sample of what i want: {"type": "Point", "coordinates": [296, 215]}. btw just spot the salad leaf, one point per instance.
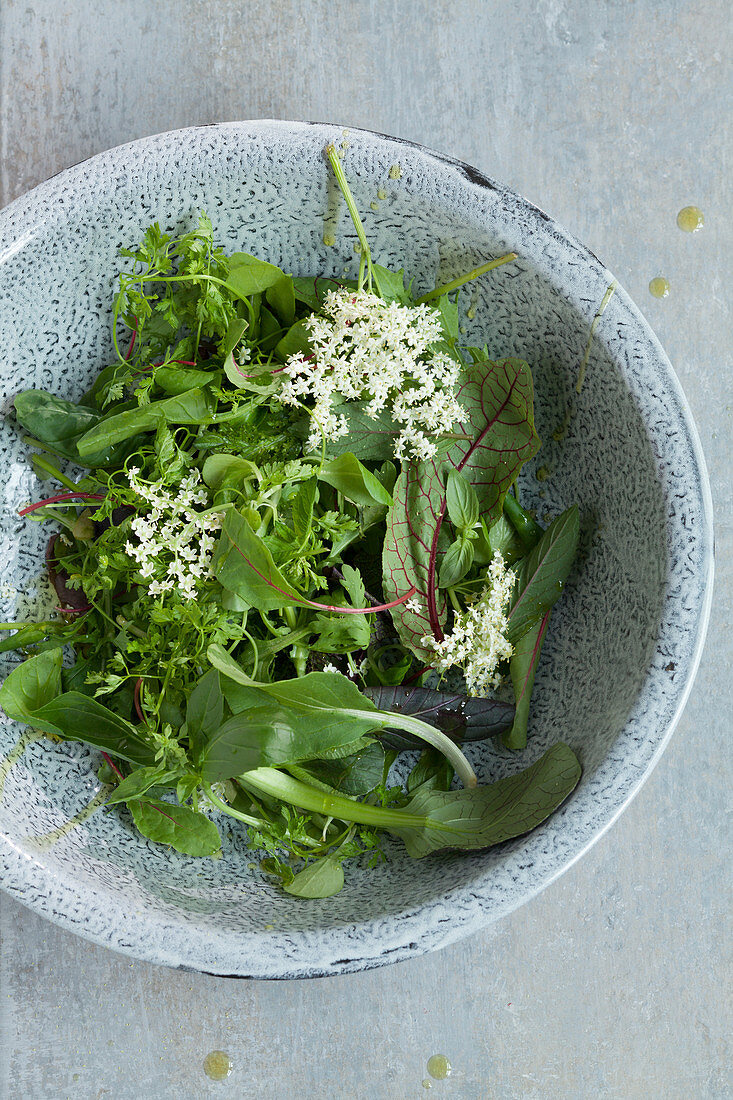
{"type": "Point", "coordinates": [184, 829]}
{"type": "Point", "coordinates": [349, 476]}
{"type": "Point", "coordinates": [192, 407]}
{"type": "Point", "coordinates": [32, 684]}
{"type": "Point", "coordinates": [243, 565]}
{"type": "Point", "coordinates": [522, 668]}
{"type": "Point", "coordinates": [321, 879]}
{"type": "Point", "coordinates": [543, 572]}
{"type": "Point", "coordinates": [460, 717]}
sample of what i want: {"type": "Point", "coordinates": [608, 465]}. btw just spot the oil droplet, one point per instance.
{"type": "Point", "coordinates": [374, 205]}
{"type": "Point", "coordinates": [381, 193]}
{"type": "Point", "coordinates": [357, 247]}
{"type": "Point", "coordinates": [269, 927]}
{"type": "Point", "coordinates": [439, 1067]}
{"type": "Point", "coordinates": [395, 172]}
{"type": "Point", "coordinates": [427, 1083]}
{"type": "Point", "coordinates": [690, 219]}
{"type": "Point", "coordinates": [75, 1077]}
{"type": "Point", "coordinates": [542, 473]}
{"type": "Point", "coordinates": [593, 326]}
{"type": "Point", "coordinates": [217, 1065]}
{"type": "Point", "coordinates": [329, 240]}
{"type": "Point", "coordinates": [15, 754]}
{"type": "Point", "coordinates": [659, 287]}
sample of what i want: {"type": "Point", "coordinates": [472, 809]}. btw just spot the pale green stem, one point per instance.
{"type": "Point", "coordinates": [454, 284]}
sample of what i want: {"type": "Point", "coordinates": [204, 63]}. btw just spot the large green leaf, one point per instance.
{"type": "Point", "coordinates": [321, 879]}
{"type": "Point", "coordinates": [485, 816]}
{"type": "Point", "coordinates": [522, 669]}
{"type": "Point", "coordinates": [78, 717]}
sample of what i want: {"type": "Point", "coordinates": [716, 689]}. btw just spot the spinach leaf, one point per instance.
{"type": "Point", "coordinates": [542, 574]}
{"type": "Point", "coordinates": [358, 484]}
{"type": "Point", "coordinates": [30, 686]}
{"type": "Point", "coordinates": [456, 562]}
{"type": "Point", "coordinates": [248, 276]}
{"type": "Point", "coordinates": [271, 733]}
{"type": "Point", "coordinates": [320, 879]}
{"type": "Point", "coordinates": [178, 380]}
{"type": "Point", "coordinates": [522, 668]}
{"type": "Point", "coordinates": [296, 341]}
{"type": "Point", "coordinates": [192, 407]}
{"type": "Point", "coordinates": [60, 425]}
{"type": "Point", "coordinates": [179, 826]}
{"type": "Point", "coordinates": [432, 771]}
{"type": "Point", "coordinates": [458, 716]}
{"type": "Point", "coordinates": [356, 774]}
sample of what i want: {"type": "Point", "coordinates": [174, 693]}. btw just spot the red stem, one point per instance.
{"type": "Point", "coordinates": [112, 765]}
{"type": "Point", "coordinates": [136, 699]}
{"type": "Point", "coordinates": [59, 497]}
{"type": "Point", "coordinates": [132, 341]}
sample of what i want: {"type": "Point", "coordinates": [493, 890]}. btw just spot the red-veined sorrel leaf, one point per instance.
{"type": "Point", "coordinates": [499, 421]}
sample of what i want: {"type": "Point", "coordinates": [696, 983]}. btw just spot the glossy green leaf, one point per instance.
{"type": "Point", "coordinates": [31, 685]}
{"type": "Point", "coordinates": [78, 717]}
{"type": "Point", "coordinates": [243, 565]}
{"type": "Point", "coordinates": [138, 783]}
{"type": "Point", "coordinates": [350, 477]}
{"type": "Point", "coordinates": [461, 501]}
{"type": "Point", "coordinates": [456, 562]}
{"type": "Point", "coordinates": [522, 669]}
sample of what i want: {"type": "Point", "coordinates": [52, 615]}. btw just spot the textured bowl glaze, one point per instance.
{"type": "Point", "coordinates": [624, 642]}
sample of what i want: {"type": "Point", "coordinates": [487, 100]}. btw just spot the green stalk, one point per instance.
{"type": "Point", "coordinates": [299, 656]}
{"type": "Point", "coordinates": [454, 284]}
{"type": "Point", "coordinates": [227, 809]}
{"type": "Point", "coordinates": [433, 737]}
{"type": "Point", "coordinates": [338, 172]}
{"type": "Point", "coordinates": [276, 784]}
{"type": "Point", "coordinates": [48, 467]}
{"type": "Point", "coordinates": [528, 531]}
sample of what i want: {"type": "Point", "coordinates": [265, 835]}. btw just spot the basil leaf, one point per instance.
{"type": "Point", "coordinates": [182, 828]}
{"type": "Point", "coordinates": [351, 478]}
{"type": "Point", "coordinates": [456, 562]}
{"type": "Point", "coordinates": [30, 686]}
{"type": "Point", "coordinates": [461, 501]}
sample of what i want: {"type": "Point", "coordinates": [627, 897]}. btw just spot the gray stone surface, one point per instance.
{"type": "Point", "coordinates": [610, 116]}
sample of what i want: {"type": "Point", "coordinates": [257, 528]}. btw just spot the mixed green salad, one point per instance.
{"type": "Point", "coordinates": [287, 547]}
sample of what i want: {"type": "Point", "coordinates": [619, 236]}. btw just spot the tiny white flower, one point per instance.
{"type": "Point", "coordinates": [330, 668]}
{"type": "Point", "coordinates": [478, 641]}
{"type": "Point", "coordinates": [414, 605]}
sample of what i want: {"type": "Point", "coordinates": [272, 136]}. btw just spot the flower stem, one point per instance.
{"type": "Point", "coordinates": [366, 255]}
{"type": "Point", "coordinates": [454, 284]}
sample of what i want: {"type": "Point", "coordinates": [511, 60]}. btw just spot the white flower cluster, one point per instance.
{"type": "Point", "coordinates": [478, 641]}
{"type": "Point", "coordinates": [175, 543]}
{"type": "Point", "coordinates": [365, 348]}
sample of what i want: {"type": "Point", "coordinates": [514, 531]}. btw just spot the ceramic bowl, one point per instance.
{"type": "Point", "coordinates": [624, 642]}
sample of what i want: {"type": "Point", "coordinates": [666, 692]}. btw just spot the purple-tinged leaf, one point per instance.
{"type": "Point", "coordinates": [461, 718]}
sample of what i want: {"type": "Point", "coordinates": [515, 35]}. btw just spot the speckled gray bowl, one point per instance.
{"type": "Point", "coordinates": [625, 641]}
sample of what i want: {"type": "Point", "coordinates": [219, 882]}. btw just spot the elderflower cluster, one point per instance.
{"type": "Point", "coordinates": [478, 641]}
{"type": "Point", "coordinates": [175, 543]}
{"type": "Point", "coordinates": [368, 349]}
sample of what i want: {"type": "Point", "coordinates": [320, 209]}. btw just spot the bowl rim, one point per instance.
{"type": "Point", "coordinates": [61, 900]}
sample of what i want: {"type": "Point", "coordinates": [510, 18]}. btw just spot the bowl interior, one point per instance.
{"type": "Point", "coordinates": [622, 643]}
